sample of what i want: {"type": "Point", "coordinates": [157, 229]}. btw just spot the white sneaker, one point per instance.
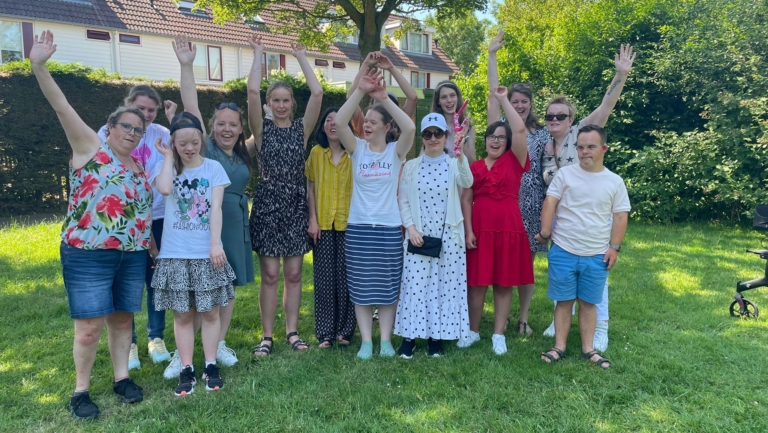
{"type": "Point", "coordinates": [499, 344]}
{"type": "Point", "coordinates": [133, 358]}
{"type": "Point", "coordinates": [225, 355]}
{"type": "Point", "coordinates": [468, 340]}
{"type": "Point", "coordinates": [600, 341]}
{"type": "Point", "coordinates": [174, 368]}
{"type": "Point", "coordinates": [550, 332]}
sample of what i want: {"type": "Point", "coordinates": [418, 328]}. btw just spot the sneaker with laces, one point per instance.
{"type": "Point", "coordinates": [133, 358]}
{"type": "Point", "coordinates": [225, 355]}
{"type": "Point", "coordinates": [550, 331]}
{"type": "Point", "coordinates": [499, 344]}
{"type": "Point", "coordinates": [81, 406]}
{"type": "Point", "coordinates": [407, 347]}
{"type": "Point", "coordinates": [213, 380]}
{"type": "Point", "coordinates": [128, 391]}
{"type": "Point", "coordinates": [435, 348]}
{"type": "Point", "coordinates": [157, 350]}
{"type": "Point", "coordinates": [174, 368]}
{"type": "Point", "coordinates": [187, 382]}
{"type": "Point", "coordinates": [469, 339]}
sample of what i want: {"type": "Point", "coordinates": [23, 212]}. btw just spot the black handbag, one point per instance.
{"type": "Point", "coordinates": [432, 245]}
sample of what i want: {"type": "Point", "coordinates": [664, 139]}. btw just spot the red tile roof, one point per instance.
{"type": "Point", "coordinates": [163, 17]}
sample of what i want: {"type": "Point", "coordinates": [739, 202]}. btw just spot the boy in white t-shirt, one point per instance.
{"type": "Point", "coordinates": [591, 206]}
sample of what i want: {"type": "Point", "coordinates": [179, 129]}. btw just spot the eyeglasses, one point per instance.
{"type": "Point", "coordinates": [521, 85]}
{"type": "Point", "coordinates": [127, 127]}
{"type": "Point", "coordinates": [427, 135]}
{"type": "Point", "coordinates": [551, 117]}
{"type": "Point", "coordinates": [496, 137]}
{"type": "Point", "coordinates": [231, 105]}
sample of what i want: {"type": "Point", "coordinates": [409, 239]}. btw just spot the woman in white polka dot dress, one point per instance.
{"type": "Point", "coordinates": [433, 296]}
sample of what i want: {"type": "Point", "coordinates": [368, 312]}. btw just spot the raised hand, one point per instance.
{"type": "Point", "coordinates": [379, 91]}
{"type": "Point", "coordinates": [298, 49]}
{"type": "Point", "coordinates": [255, 42]}
{"type": "Point", "coordinates": [185, 51]}
{"type": "Point", "coordinates": [500, 93]}
{"type": "Point", "coordinates": [625, 58]}
{"type": "Point", "coordinates": [163, 148]}
{"type": "Point", "coordinates": [170, 109]}
{"type": "Point", "coordinates": [384, 63]}
{"type": "Point", "coordinates": [496, 43]}
{"type": "Point", "coordinates": [42, 49]}
{"type": "Point", "coordinates": [370, 80]}
{"type": "Point", "coordinates": [371, 59]}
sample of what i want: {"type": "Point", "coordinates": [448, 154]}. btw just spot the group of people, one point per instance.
{"type": "Point", "coordinates": [421, 240]}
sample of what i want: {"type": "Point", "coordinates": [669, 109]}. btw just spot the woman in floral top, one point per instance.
{"type": "Point", "coordinates": [105, 235]}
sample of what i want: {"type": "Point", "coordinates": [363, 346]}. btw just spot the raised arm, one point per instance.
{"type": "Point", "coordinates": [186, 52]}
{"type": "Point", "coordinates": [519, 133]}
{"type": "Point", "coordinates": [164, 180]}
{"type": "Point", "coordinates": [83, 140]}
{"type": "Point", "coordinates": [624, 60]}
{"type": "Point", "coordinates": [315, 103]}
{"type": "Point", "coordinates": [404, 122]}
{"type": "Point", "coordinates": [369, 61]}
{"type": "Point", "coordinates": [411, 98]}
{"type": "Point", "coordinates": [366, 82]}
{"type": "Point", "coordinates": [170, 108]}
{"type": "Point", "coordinates": [494, 110]}
{"type": "Point", "coordinates": [469, 145]}
{"type": "Point", "coordinates": [255, 122]}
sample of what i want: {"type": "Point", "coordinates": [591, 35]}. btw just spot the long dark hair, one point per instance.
{"type": "Point", "coordinates": [532, 121]}
{"type": "Point", "coordinates": [437, 108]}
{"type": "Point", "coordinates": [320, 136]}
{"type": "Point", "coordinates": [240, 149]}
{"type": "Point", "coordinates": [492, 128]}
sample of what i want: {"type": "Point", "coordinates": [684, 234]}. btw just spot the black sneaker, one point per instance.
{"type": "Point", "coordinates": [128, 391]}
{"type": "Point", "coordinates": [435, 348]}
{"type": "Point", "coordinates": [407, 348]}
{"type": "Point", "coordinates": [187, 382]}
{"type": "Point", "coordinates": [81, 406]}
{"type": "Point", "coordinates": [213, 380]}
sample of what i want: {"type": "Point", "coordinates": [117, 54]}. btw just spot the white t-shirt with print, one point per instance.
{"type": "Point", "coordinates": [585, 211]}
{"type": "Point", "coordinates": [149, 156]}
{"type": "Point", "coordinates": [374, 186]}
{"type": "Point", "coordinates": [187, 228]}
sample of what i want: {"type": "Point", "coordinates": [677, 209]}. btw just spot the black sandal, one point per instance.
{"type": "Point", "coordinates": [326, 340]}
{"type": "Point", "coordinates": [266, 349]}
{"type": "Point", "coordinates": [599, 362]}
{"type": "Point", "coordinates": [298, 342]}
{"type": "Point", "coordinates": [552, 359]}
{"type": "Point", "coordinates": [527, 332]}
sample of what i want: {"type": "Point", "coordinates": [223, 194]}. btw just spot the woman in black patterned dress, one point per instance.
{"type": "Point", "coordinates": [280, 216]}
{"type": "Point", "coordinates": [532, 187]}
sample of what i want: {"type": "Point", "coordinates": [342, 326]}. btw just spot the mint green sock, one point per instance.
{"type": "Point", "coordinates": [366, 350]}
{"type": "Point", "coordinates": [386, 349]}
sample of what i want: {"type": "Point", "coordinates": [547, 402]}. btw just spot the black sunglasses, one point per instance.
{"type": "Point", "coordinates": [231, 105]}
{"type": "Point", "coordinates": [551, 117]}
{"type": "Point", "coordinates": [427, 135]}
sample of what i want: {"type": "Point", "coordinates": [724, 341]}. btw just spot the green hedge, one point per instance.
{"type": "Point", "coordinates": [34, 152]}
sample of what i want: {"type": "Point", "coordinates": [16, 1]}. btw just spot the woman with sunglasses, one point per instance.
{"type": "Point", "coordinates": [433, 292]}
{"type": "Point", "coordinates": [532, 187]}
{"type": "Point", "coordinates": [498, 253]}
{"type": "Point", "coordinates": [561, 151]}
{"type": "Point", "coordinates": [105, 236]}
{"type": "Point", "coordinates": [226, 144]}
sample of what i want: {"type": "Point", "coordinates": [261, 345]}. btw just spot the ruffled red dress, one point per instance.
{"type": "Point", "coordinates": [503, 254]}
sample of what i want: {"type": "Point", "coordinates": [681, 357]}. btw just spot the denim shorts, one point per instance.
{"type": "Point", "coordinates": [100, 282]}
{"type": "Point", "coordinates": [572, 276]}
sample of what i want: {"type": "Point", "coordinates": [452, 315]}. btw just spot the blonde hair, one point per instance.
{"type": "Point", "coordinates": [286, 86]}
{"type": "Point", "coordinates": [562, 99]}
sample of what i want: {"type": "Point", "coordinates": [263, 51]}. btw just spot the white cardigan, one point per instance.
{"type": "Point", "coordinates": [409, 193]}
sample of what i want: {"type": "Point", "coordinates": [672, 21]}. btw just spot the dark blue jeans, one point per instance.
{"type": "Point", "coordinates": [155, 319]}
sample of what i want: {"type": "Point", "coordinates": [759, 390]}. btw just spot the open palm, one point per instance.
{"type": "Point", "coordinates": [496, 43]}
{"type": "Point", "coordinates": [298, 49]}
{"type": "Point", "coordinates": [370, 80]}
{"type": "Point", "coordinates": [625, 58]}
{"type": "Point", "coordinates": [185, 51]}
{"type": "Point", "coordinates": [42, 49]}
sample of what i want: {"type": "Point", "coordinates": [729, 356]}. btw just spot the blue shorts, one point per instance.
{"type": "Point", "coordinates": [572, 276]}
{"type": "Point", "coordinates": [100, 282]}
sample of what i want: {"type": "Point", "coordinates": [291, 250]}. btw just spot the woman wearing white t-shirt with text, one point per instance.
{"type": "Point", "coordinates": [374, 247]}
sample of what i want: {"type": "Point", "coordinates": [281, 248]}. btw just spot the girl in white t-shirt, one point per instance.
{"type": "Point", "coordinates": [373, 245]}
{"type": "Point", "coordinates": [192, 274]}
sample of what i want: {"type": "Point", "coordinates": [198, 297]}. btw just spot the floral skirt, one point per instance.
{"type": "Point", "coordinates": [181, 284]}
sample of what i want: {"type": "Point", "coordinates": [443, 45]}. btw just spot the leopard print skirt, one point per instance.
{"type": "Point", "coordinates": [181, 284]}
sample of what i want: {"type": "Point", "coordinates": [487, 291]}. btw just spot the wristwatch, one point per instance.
{"type": "Point", "coordinates": [616, 247]}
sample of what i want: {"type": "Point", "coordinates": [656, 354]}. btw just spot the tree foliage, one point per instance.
{"type": "Point", "coordinates": [461, 37]}
{"type": "Point", "coordinates": [688, 134]}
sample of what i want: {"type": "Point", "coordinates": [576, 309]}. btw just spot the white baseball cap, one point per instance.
{"type": "Point", "coordinates": [434, 119]}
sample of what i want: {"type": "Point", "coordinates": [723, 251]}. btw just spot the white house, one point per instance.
{"type": "Point", "coordinates": [133, 37]}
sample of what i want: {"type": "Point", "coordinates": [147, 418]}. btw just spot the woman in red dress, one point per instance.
{"type": "Point", "coordinates": [498, 252]}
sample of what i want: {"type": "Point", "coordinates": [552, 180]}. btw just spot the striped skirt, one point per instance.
{"type": "Point", "coordinates": [374, 257]}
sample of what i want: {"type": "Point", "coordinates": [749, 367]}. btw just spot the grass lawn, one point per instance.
{"type": "Point", "coordinates": [680, 362]}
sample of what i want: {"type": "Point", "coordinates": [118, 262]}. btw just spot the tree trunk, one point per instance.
{"type": "Point", "coordinates": [369, 40]}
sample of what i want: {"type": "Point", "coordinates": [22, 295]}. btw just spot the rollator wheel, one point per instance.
{"type": "Point", "coordinates": [751, 309]}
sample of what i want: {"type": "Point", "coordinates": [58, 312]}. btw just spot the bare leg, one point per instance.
{"type": "Point", "coordinates": [270, 270]}
{"type": "Point", "coordinates": [476, 302]}
{"type": "Point", "coordinates": [525, 294]}
{"type": "Point", "coordinates": [210, 333]}
{"type": "Point", "coordinates": [184, 331]}
{"type": "Point", "coordinates": [87, 333]}
{"type": "Point", "coordinates": [292, 295]}
{"type": "Point", "coordinates": [563, 318]}
{"type": "Point", "coordinates": [225, 315]}
{"type": "Point", "coordinates": [387, 320]}
{"type": "Point", "coordinates": [120, 334]}
{"type": "Point", "coordinates": [587, 320]}
{"type": "Point", "coordinates": [364, 315]}
{"type": "Point", "coordinates": [502, 301]}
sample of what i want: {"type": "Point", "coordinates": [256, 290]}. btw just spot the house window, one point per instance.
{"type": "Point", "coordinates": [208, 63]}
{"type": "Point", "coordinates": [417, 43]}
{"type": "Point", "coordinates": [97, 35]}
{"type": "Point", "coordinates": [419, 80]}
{"type": "Point", "coordinates": [387, 78]}
{"type": "Point", "coordinates": [186, 6]}
{"type": "Point", "coordinates": [130, 39]}
{"type": "Point", "coordinates": [339, 65]}
{"type": "Point", "coordinates": [273, 63]}
{"type": "Point", "coordinates": [214, 63]}
{"type": "Point", "coordinates": [321, 62]}
{"type": "Point", "coordinates": [11, 46]}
